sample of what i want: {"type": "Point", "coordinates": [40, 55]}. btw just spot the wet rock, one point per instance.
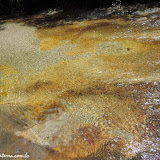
{"type": "Point", "coordinates": [147, 11]}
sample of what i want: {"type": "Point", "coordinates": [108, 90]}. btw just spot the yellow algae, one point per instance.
{"type": "Point", "coordinates": [42, 102]}
{"type": "Point", "coordinates": [84, 33]}
{"type": "Point", "coordinates": [7, 71]}
{"type": "Point", "coordinates": [6, 82]}
{"type": "Point", "coordinates": [50, 44]}
{"type": "Point", "coordinates": [87, 35]}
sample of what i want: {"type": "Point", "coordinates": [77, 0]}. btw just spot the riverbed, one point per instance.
{"type": "Point", "coordinates": [81, 87]}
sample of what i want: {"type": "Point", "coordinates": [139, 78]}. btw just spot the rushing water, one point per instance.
{"type": "Point", "coordinates": [87, 89]}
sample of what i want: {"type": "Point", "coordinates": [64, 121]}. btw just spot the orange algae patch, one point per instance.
{"type": "Point", "coordinates": [87, 35]}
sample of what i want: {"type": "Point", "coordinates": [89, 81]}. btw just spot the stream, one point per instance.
{"type": "Point", "coordinates": [81, 87]}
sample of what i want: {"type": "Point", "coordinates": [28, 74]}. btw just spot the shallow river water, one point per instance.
{"type": "Point", "coordinates": [82, 89]}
